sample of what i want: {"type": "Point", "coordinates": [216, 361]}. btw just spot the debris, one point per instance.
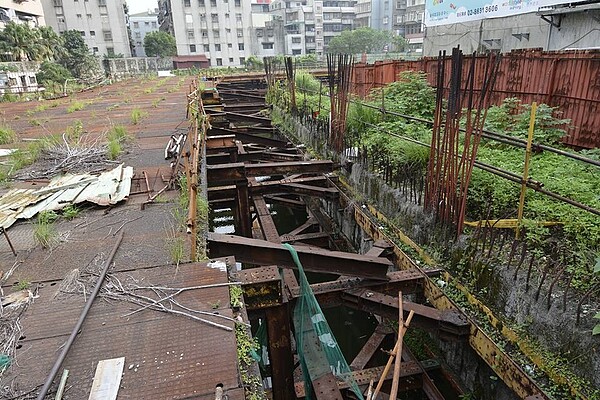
{"type": "Point", "coordinates": [108, 188]}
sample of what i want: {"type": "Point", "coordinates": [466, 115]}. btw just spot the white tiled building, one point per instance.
{"type": "Point", "coordinates": [29, 12]}
{"type": "Point", "coordinates": [140, 25]}
{"type": "Point", "coordinates": [102, 23]}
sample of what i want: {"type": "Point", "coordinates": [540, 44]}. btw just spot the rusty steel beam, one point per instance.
{"type": "Point", "coordinates": [246, 137]}
{"type": "Point", "coordinates": [408, 281]}
{"type": "Point", "coordinates": [451, 323]}
{"type": "Point", "coordinates": [233, 116]}
{"type": "Point", "coordinates": [313, 259]}
{"type": "Point", "coordinates": [268, 187]}
{"type": "Point", "coordinates": [286, 201]}
{"type": "Point", "coordinates": [220, 142]}
{"type": "Point", "coordinates": [304, 237]}
{"type": "Point", "coordinates": [265, 220]}
{"type": "Point", "coordinates": [410, 372]}
{"type": "Point", "coordinates": [280, 351]}
{"type": "Point", "coordinates": [379, 247]}
{"type": "Point", "coordinates": [261, 286]}
{"type": "Point", "coordinates": [243, 221]}
{"type": "Point", "coordinates": [310, 222]}
{"type": "Point", "coordinates": [371, 347]}
{"type": "Point", "coordinates": [429, 388]}
{"type": "Point", "coordinates": [232, 172]}
{"type": "Point", "coordinates": [310, 191]}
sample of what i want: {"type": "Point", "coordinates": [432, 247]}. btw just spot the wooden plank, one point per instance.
{"type": "Point", "coordinates": [107, 379]}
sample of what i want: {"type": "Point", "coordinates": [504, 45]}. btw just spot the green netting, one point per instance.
{"type": "Point", "coordinates": [318, 350]}
{"type": "Point", "coordinates": [261, 337]}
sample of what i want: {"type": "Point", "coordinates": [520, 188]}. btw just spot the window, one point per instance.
{"type": "Point", "coordinates": [187, 3]}
{"type": "Point", "coordinates": [95, 50]}
{"type": "Point", "coordinates": [57, 3]}
{"type": "Point", "coordinates": [217, 47]}
{"type": "Point", "coordinates": [214, 18]}
{"type": "Point", "coordinates": [216, 33]}
{"type": "Point", "coordinates": [206, 48]}
{"type": "Point", "coordinates": [201, 3]}
{"type": "Point", "coordinates": [192, 48]}
{"type": "Point", "coordinates": [213, 3]}
{"type": "Point", "coordinates": [240, 33]}
{"type": "Point", "coordinates": [78, 15]}
{"type": "Point", "coordinates": [190, 34]}
{"type": "Point", "coordinates": [136, 24]}
{"type": "Point", "coordinates": [58, 10]}
{"type": "Point", "coordinates": [219, 61]}
{"type": "Point", "coordinates": [102, 3]}
{"type": "Point", "coordinates": [240, 46]}
{"type": "Point", "coordinates": [296, 52]}
{"type": "Point", "coordinates": [147, 23]}
{"type": "Point", "coordinates": [110, 51]}
{"type": "Point", "coordinates": [242, 60]}
{"type": "Point", "coordinates": [92, 33]}
{"type": "Point", "coordinates": [238, 17]}
{"type": "Point", "coordinates": [231, 60]}
{"type": "Point", "coordinates": [107, 36]}
{"type": "Point", "coordinates": [32, 80]}
{"type": "Point", "coordinates": [296, 40]}
{"type": "Point", "coordinates": [103, 10]}
{"type": "Point", "coordinates": [89, 16]}
{"type": "Point", "coordinates": [82, 33]}
{"type": "Point", "coordinates": [238, 3]}
{"type": "Point", "coordinates": [230, 45]}
{"type": "Point", "coordinates": [204, 33]}
{"type": "Point", "coordinates": [267, 46]}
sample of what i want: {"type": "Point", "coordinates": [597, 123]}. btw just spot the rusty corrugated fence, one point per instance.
{"type": "Point", "coordinates": [567, 79]}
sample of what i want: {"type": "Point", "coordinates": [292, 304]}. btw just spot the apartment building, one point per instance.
{"type": "Point", "coordinates": [410, 23]}
{"type": "Point", "coordinates": [218, 29]}
{"type": "Point", "coordinates": [309, 25]}
{"type": "Point", "coordinates": [102, 23]}
{"type": "Point", "coordinates": [140, 25]}
{"type": "Point", "coordinates": [26, 12]}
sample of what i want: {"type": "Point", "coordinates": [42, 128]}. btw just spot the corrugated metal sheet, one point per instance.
{"type": "Point", "coordinates": [567, 79]}
{"type": "Point", "coordinates": [108, 188]}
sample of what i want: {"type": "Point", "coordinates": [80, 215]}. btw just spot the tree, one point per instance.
{"type": "Point", "coordinates": [160, 44]}
{"type": "Point", "coordinates": [77, 58]}
{"type": "Point", "coordinates": [51, 72]}
{"type": "Point", "coordinates": [19, 40]}
{"type": "Point", "coordinates": [50, 44]}
{"type": "Point", "coordinates": [362, 40]}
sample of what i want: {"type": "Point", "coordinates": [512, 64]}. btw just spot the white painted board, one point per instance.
{"type": "Point", "coordinates": [107, 379]}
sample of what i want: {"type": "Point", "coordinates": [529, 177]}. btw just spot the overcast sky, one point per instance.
{"type": "Point", "coordinates": [138, 6]}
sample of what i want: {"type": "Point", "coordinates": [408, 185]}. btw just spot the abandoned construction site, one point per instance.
{"type": "Point", "coordinates": [349, 232]}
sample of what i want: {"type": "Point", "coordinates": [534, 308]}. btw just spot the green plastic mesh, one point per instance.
{"type": "Point", "coordinates": [318, 350]}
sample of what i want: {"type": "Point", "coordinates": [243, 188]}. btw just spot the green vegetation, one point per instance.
{"type": "Point", "coordinates": [44, 231]}
{"type": "Point", "coordinates": [23, 284]}
{"type": "Point", "coordinates": [76, 105]}
{"type": "Point", "coordinates": [117, 137]}
{"type": "Point", "coordinates": [7, 135]}
{"type": "Point", "coordinates": [137, 115]}
{"type": "Point", "coordinates": [175, 245]}
{"type": "Point", "coordinates": [160, 44]}
{"type": "Point", "coordinates": [71, 212]}
{"type": "Point", "coordinates": [364, 40]}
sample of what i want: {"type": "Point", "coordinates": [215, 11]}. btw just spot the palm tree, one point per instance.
{"type": "Point", "coordinates": [19, 40]}
{"type": "Point", "coordinates": [50, 44]}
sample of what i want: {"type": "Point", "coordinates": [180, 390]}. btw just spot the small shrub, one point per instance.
{"type": "Point", "coordinates": [23, 284]}
{"type": "Point", "coordinates": [74, 131]}
{"type": "Point", "coordinates": [7, 135]}
{"type": "Point", "coordinates": [71, 211]}
{"type": "Point", "coordinates": [137, 115]}
{"type": "Point", "coordinates": [114, 149]}
{"type": "Point", "coordinates": [118, 133]}
{"type": "Point", "coordinates": [47, 217]}
{"type": "Point", "coordinates": [75, 106]}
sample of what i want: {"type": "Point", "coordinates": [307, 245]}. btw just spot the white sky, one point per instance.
{"type": "Point", "coordinates": [138, 6]}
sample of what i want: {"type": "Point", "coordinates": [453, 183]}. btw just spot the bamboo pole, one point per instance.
{"type": "Point", "coordinates": [386, 370]}
{"type": "Point", "coordinates": [526, 168]}
{"type": "Point", "coordinates": [398, 360]}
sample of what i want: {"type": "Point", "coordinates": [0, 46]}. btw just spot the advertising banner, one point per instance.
{"type": "Point", "coordinates": [442, 12]}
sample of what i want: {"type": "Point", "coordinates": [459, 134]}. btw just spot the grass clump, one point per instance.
{"type": "Point", "coordinates": [23, 284]}
{"type": "Point", "coordinates": [44, 231]}
{"type": "Point", "coordinates": [175, 246]}
{"type": "Point", "coordinates": [117, 136]}
{"type": "Point", "coordinates": [75, 105]}
{"type": "Point", "coordinates": [137, 115]}
{"type": "Point", "coordinates": [7, 135]}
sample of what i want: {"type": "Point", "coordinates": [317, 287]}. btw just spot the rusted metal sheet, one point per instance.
{"type": "Point", "coordinates": [280, 351]}
{"type": "Point", "coordinates": [313, 258]}
{"type": "Point", "coordinates": [220, 142]}
{"type": "Point", "coordinates": [305, 237]}
{"type": "Point", "coordinates": [567, 79]}
{"type": "Point", "coordinates": [265, 220]}
{"type": "Point", "coordinates": [257, 188]}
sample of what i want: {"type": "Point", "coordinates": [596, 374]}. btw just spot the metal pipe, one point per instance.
{"type": "Point", "coordinates": [84, 312]}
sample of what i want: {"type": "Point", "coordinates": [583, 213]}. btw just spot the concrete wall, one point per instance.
{"type": "Point", "coordinates": [18, 77]}
{"type": "Point", "coordinates": [577, 31]}
{"type": "Point", "coordinates": [126, 67]}
{"type": "Point", "coordinates": [488, 34]}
